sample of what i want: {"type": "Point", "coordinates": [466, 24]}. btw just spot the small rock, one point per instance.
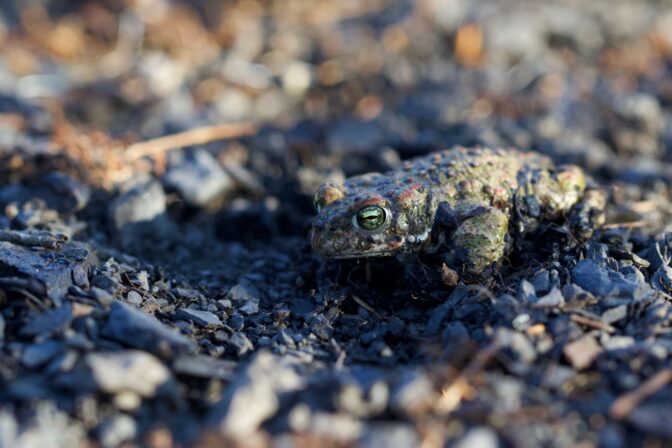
{"type": "Point", "coordinates": [652, 419]}
{"type": "Point", "coordinates": [542, 281]}
{"type": "Point", "coordinates": [517, 343]}
{"type": "Point", "coordinates": [139, 217]}
{"type": "Point", "coordinates": [201, 366]}
{"type": "Point", "coordinates": [80, 277]}
{"type": "Point", "coordinates": [438, 314]}
{"type": "Point", "coordinates": [73, 196]}
{"type": "Point", "coordinates": [240, 344]}
{"type": "Point", "coordinates": [128, 371]}
{"type": "Point", "coordinates": [602, 281]}
{"type": "Point", "coordinates": [37, 355]}
{"type": "Point", "coordinates": [582, 352]}
{"type": "Point", "coordinates": [320, 327]}
{"type": "Point", "coordinates": [615, 314]}
{"type": "Point", "coordinates": [245, 298]}
{"type": "Point", "coordinates": [575, 293]}
{"type": "Point", "coordinates": [134, 298]}
{"type": "Point", "coordinates": [341, 428]}
{"type": "Point", "coordinates": [662, 279]}
{"type": "Point", "coordinates": [362, 400]}
{"type": "Point", "coordinates": [117, 430]}
{"type": "Point", "coordinates": [49, 322]}
{"type": "Point", "coordinates": [479, 437]}
{"type": "Point", "coordinates": [198, 178]}
{"type": "Point", "coordinates": [412, 393]}
{"type": "Point", "coordinates": [618, 342]}
{"type": "Point", "coordinates": [252, 396]}
{"type": "Point", "coordinates": [384, 435]}
{"type": "Point", "coordinates": [202, 318]}
{"type": "Point", "coordinates": [142, 203]}
{"type": "Point", "coordinates": [526, 292]}
{"type": "Point", "coordinates": [49, 273]}
{"type": "Point", "coordinates": [134, 328]}
{"type": "Point", "coordinates": [455, 331]}
{"type": "Point", "coordinates": [553, 299]}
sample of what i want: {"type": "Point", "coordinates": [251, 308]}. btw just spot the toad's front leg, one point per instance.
{"type": "Point", "coordinates": [478, 243]}
{"type": "Point", "coordinates": [588, 213]}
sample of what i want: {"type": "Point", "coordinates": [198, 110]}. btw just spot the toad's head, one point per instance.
{"type": "Point", "coordinates": [370, 216]}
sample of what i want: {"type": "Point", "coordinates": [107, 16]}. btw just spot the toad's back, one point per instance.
{"type": "Point", "coordinates": [461, 176]}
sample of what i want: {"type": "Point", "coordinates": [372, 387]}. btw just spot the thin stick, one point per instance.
{"type": "Point", "coordinates": [592, 323]}
{"type": "Point", "coordinates": [33, 238]}
{"type": "Point", "coordinates": [365, 305]}
{"type": "Point", "coordinates": [624, 225]}
{"type": "Point", "coordinates": [624, 404]}
{"type": "Point", "coordinates": [197, 136]}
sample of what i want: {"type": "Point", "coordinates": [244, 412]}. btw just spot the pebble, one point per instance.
{"type": "Point", "coordinates": [252, 396]}
{"type": "Point", "coordinates": [142, 203]}
{"type": "Point", "coordinates": [51, 321]}
{"type": "Point", "coordinates": [245, 298]}
{"type": "Point", "coordinates": [411, 393]}
{"type": "Point", "coordinates": [552, 299]}
{"type": "Point", "coordinates": [49, 273]}
{"type": "Point", "coordinates": [39, 354]}
{"type": "Point", "coordinates": [128, 371]}
{"type": "Point", "coordinates": [116, 430]}
{"type": "Point", "coordinates": [200, 317]}
{"type": "Point", "coordinates": [198, 178]}
{"type": "Point", "coordinates": [479, 437]}
{"type": "Point", "coordinates": [130, 326]}
{"type": "Point", "coordinates": [582, 352]}
{"type": "Point", "coordinates": [240, 344]}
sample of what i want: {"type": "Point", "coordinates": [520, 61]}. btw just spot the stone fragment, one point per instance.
{"type": "Point", "coordinates": [201, 366]}
{"type": "Point", "coordinates": [128, 371]}
{"type": "Point", "coordinates": [200, 317]}
{"type": "Point", "coordinates": [245, 297]}
{"type": "Point", "coordinates": [582, 352]}
{"type": "Point", "coordinates": [39, 354]}
{"type": "Point", "coordinates": [116, 430]}
{"type": "Point", "coordinates": [48, 322]}
{"type": "Point", "coordinates": [44, 272]}
{"type": "Point", "coordinates": [132, 327]}
{"type": "Point", "coordinates": [479, 437]}
{"type": "Point", "coordinates": [198, 178]}
{"type": "Point", "coordinates": [252, 396]}
{"type": "Point", "coordinates": [240, 344]}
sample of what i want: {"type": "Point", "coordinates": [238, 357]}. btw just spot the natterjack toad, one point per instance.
{"type": "Point", "coordinates": [466, 203]}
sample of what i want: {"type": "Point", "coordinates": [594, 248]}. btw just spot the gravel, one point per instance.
{"type": "Point", "coordinates": [169, 297]}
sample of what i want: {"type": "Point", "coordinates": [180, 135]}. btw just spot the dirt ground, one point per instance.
{"type": "Point", "coordinates": [158, 161]}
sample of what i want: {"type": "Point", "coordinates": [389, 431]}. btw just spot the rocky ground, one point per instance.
{"type": "Point", "coordinates": [160, 292]}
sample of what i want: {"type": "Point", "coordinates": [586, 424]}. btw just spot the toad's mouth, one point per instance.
{"type": "Point", "coordinates": [350, 256]}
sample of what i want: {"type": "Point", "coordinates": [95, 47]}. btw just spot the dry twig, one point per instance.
{"type": "Point", "coordinates": [623, 405]}
{"type": "Point", "coordinates": [197, 136]}
{"type": "Point", "coordinates": [33, 238]}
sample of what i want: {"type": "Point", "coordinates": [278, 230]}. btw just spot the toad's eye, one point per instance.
{"type": "Point", "coordinates": [370, 218]}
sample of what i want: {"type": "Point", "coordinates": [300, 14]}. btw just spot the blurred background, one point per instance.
{"type": "Point", "coordinates": [332, 89]}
